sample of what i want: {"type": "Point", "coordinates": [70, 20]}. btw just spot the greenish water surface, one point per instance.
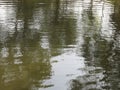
{"type": "Point", "coordinates": [59, 44]}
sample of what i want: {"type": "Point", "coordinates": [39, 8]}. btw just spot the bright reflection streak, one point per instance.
{"type": "Point", "coordinates": [2, 12]}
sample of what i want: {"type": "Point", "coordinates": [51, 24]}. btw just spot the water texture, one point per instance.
{"type": "Point", "coordinates": [59, 44]}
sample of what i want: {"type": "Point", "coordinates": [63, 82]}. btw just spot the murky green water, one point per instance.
{"type": "Point", "coordinates": [59, 45]}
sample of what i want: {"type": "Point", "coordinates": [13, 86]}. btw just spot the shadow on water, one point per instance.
{"type": "Point", "coordinates": [59, 45]}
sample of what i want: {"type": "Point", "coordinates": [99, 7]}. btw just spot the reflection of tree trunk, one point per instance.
{"type": "Point", "coordinates": [28, 9]}
{"type": "Point", "coordinates": [90, 11]}
{"type": "Point", "coordinates": [25, 26]}
{"type": "Point", "coordinates": [57, 10]}
{"type": "Point", "coordinates": [91, 7]}
{"type": "Point", "coordinates": [116, 6]}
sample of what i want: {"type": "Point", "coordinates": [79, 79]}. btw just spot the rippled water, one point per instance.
{"type": "Point", "coordinates": [59, 45]}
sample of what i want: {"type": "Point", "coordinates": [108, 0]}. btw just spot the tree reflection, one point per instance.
{"type": "Point", "coordinates": [24, 59]}
{"type": "Point", "coordinates": [102, 56]}
{"type": "Point", "coordinates": [114, 62]}
{"type": "Point", "coordinates": [33, 31]}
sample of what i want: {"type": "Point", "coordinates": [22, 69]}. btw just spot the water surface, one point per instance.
{"type": "Point", "coordinates": [59, 45]}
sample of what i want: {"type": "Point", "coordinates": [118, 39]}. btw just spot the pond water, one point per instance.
{"type": "Point", "coordinates": [59, 45]}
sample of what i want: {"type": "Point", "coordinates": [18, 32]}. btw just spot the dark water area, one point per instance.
{"type": "Point", "coordinates": [59, 44]}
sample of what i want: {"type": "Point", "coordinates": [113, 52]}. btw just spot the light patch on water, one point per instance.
{"type": "Point", "coordinates": [66, 67]}
{"type": "Point", "coordinates": [4, 52]}
{"type": "Point", "coordinates": [17, 52]}
{"type": "Point", "coordinates": [44, 42]}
